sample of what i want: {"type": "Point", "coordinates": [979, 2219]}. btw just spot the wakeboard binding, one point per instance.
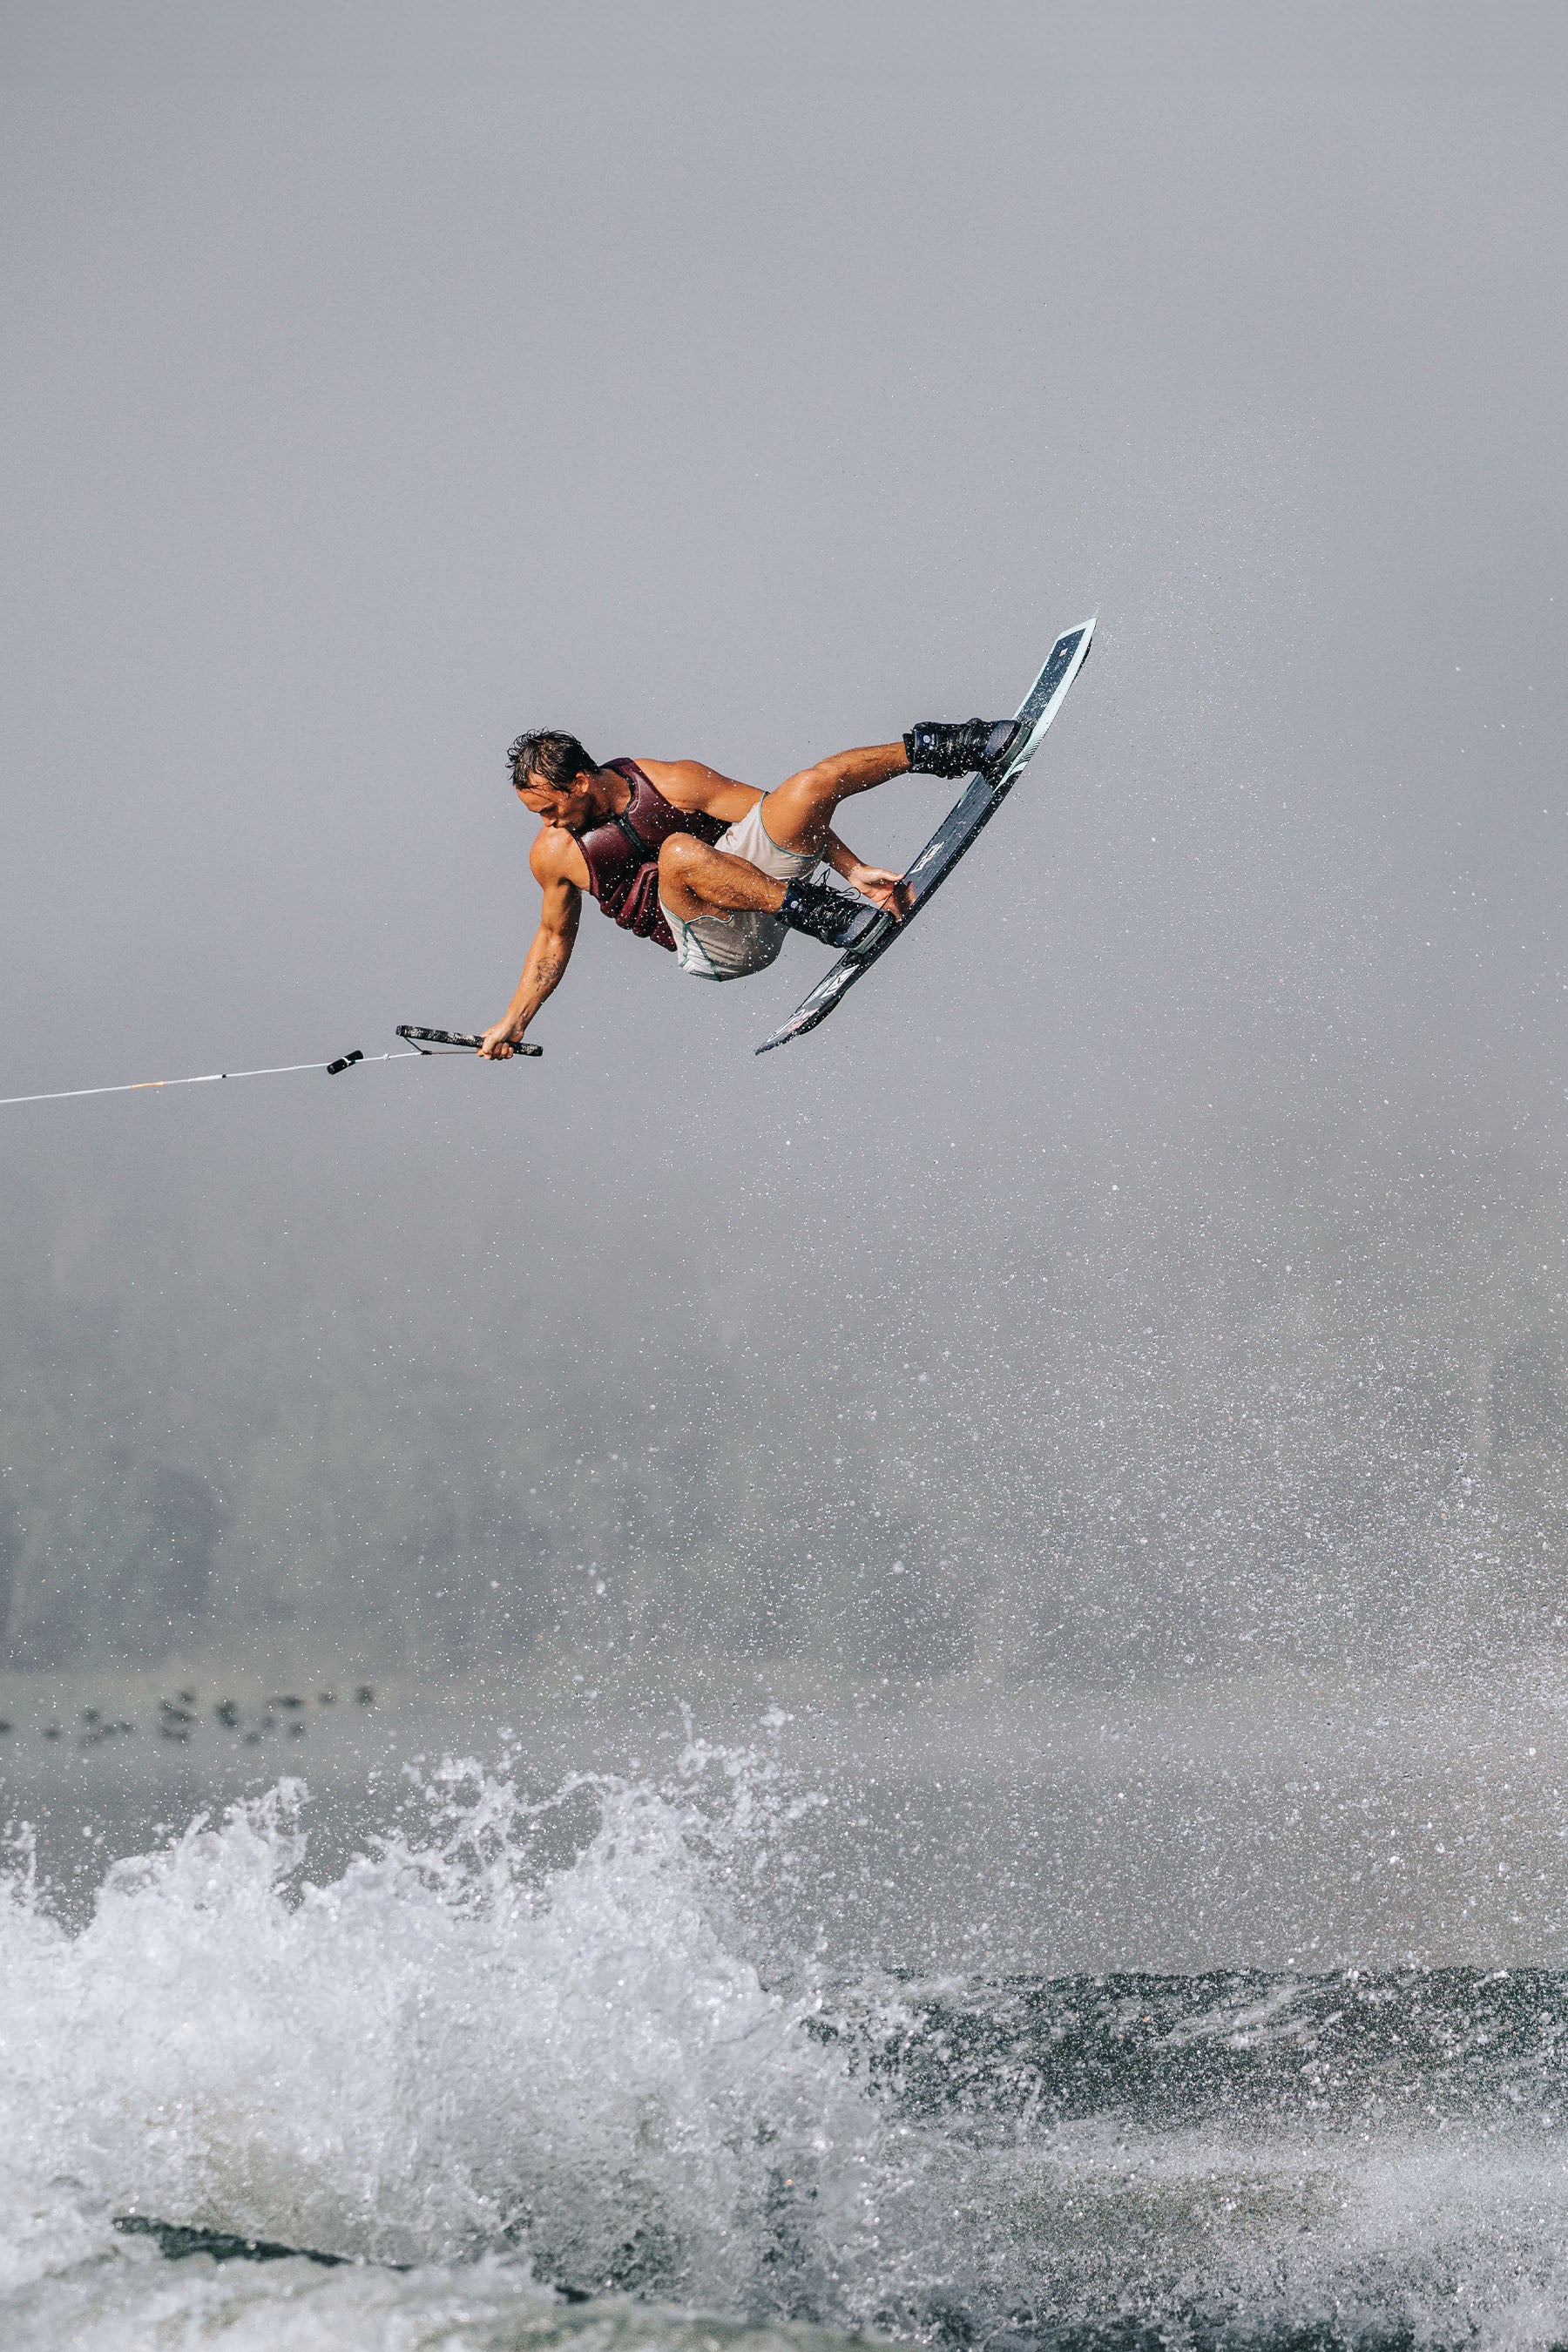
{"type": "Point", "coordinates": [830, 916]}
{"type": "Point", "coordinates": [935, 747]}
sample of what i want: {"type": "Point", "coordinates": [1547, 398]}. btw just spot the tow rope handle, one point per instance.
{"type": "Point", "coordinates": [459, 1038]}
{"type": "Point", "coordinates": [422, 1040]}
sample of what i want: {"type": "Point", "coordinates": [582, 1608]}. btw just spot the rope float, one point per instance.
{"type": "Point", "coordinates": [422, 1045]}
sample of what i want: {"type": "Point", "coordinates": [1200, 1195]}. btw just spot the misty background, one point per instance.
{"type": "Point", "coordinates": [1159, 1265]}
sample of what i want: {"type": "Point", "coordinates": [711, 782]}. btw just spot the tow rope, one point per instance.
{"type": "Point", "coordinates": [423, 1043]}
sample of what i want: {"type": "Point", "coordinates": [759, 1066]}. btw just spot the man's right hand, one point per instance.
{"type": "Point", "coordinates": [497, 1043]}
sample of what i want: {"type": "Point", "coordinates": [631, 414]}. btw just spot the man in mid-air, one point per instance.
{"type": "Point", "coordinates": [712, 868]}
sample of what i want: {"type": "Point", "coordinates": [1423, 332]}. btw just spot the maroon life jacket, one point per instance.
{"type": "Point", "coordinates": [622, 854]}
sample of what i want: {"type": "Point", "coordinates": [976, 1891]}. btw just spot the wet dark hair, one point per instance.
{"type": "Point", "coordinates": [550, 757]}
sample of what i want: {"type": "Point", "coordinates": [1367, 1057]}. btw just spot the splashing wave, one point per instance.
{"type": "Point", "coordinates": [499, 2082]}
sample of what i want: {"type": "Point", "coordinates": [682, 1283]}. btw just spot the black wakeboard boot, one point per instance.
{"type": "Point", "coordinates": [934, 748]}
{"type": "Point", "coordinates": [831, 915]}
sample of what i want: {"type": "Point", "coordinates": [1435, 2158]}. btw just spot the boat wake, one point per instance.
{"type": "Point", "coordinates": [517, 2096]}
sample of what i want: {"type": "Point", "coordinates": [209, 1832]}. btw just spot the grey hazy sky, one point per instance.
{"type": "Point", "coordinates": [383, 379]}
{"type": "Point", "coordinates": [736, 383]}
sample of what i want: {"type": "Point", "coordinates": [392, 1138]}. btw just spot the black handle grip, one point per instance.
{"type": "Point", "coordinates": [460, 1037]}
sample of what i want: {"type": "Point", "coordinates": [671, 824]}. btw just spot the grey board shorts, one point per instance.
{"type": "Point", "coordinates": [728, 946]}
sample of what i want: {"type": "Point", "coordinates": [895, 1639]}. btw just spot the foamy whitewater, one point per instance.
{"type": "Point", "coordinates": [524, 2102]}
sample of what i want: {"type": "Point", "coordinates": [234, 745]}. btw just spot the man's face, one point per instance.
{"type": "Point", "coordinates": [566, 804]}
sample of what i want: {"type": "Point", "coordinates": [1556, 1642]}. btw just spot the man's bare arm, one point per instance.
{"type": "Point", "coordinates": [547, 958]}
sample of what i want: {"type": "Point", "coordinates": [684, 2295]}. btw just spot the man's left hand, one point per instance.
{"type": "Point", "coordinates": [884, 889]}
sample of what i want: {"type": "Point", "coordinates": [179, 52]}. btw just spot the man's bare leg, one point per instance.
{"type": "Point", "coordinates": [695, 879]}
{"type": "Point", "coordinates": [798, 813]}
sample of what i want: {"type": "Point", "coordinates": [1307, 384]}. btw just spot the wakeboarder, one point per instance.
{"type": "Point", "coordinates": [711, 869]}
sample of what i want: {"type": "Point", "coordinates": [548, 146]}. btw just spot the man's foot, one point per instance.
{"type": "Point", "coordinates": [937, 749]}
{"type": "Point", "coordinates": [831, 915]}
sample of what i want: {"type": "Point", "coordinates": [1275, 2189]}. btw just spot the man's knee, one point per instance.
{"type": "Point", "coordinates": [677, 856]}
{"type": "Point", "coordinates": [821, 782]}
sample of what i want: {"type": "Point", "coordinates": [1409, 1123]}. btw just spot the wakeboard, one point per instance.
{"type": "Point", "coordinates": [957, 833]}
